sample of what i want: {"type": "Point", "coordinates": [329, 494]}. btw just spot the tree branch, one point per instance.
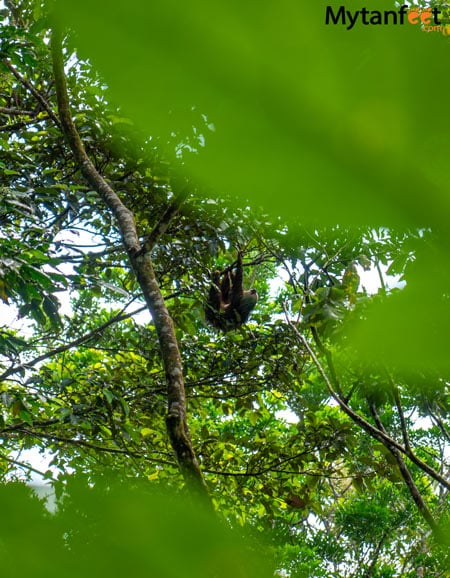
{"type": "Point", "coordinates": [17, 111]}
{"type": "Point", "coordinates": [83, 339]}
{"type": "Point", "coordinates": [142, 265]}
{"type": "Point", "coordinates": [25, 466]}
{"type": "Point", "coordinates": [20, 124]}
{"type": "Point", "coordinates": [364, 424]}
{"type": "Point", "coordinates": [37, 95]}
{"type": "Point", "coordinates": [409, 481]}
{"type": "Point", "coordinates": [401, 414]}
{"type": "Point", "coordinates": [82, 443]}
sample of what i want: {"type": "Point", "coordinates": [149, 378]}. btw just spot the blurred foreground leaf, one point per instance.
{"type": "Point", "coordinates": [118, 531]}
{"type": "Point", "coordinates": [314, 121]}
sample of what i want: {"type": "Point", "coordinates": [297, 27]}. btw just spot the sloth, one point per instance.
{"type": "Point", "coordinates": [228, 305]}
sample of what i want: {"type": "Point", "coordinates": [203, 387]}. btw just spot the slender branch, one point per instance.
{"type": "Point", "coordinates": [329, 359]}
{"type": "Point", "coordinates": [409, 481]}
{"type": "Point", "coordinates": [18, 426]}
{"type": "Point", "coordinates": [94, 447]}
{"type": "Point", "coordinates": [17, 111]}
{"type": "Point", "coordinates": [258, 473]}
{"type": "Point", "coordinates": [375, 556]}
{"type": "Point", "coordinates": [363, 423]}
{"type": "Point", "coordinates": [438, 422]}
{"type": "Point", "coordinates": [75, 343]}
{"type": "Point", "coordinates": [25, 466]}
{"type": "Point", "coordinates": [17, 125]}
{"type": "Point", "coordinates": [401, 415]}
{"type": "Point", "coordinates": [37, 95]}
{"type": "Point", "coordinates": [80, 442]}
{"type": "Point", "coordinates": [380, 275]}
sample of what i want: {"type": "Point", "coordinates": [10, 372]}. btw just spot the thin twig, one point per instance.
{"type": "Point", "coordinates": [37, 95]}
{"type": "Point", "coordinates": [17, 111]}
{"type": "Point", "coordinates": [27, 467]}
{"type": "Point", "coordinates": [83, 339]}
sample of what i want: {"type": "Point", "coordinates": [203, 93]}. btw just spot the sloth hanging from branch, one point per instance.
{"type": "Point", "coordinates": [228, 305]}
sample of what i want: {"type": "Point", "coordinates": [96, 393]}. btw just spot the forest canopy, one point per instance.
{"type": "Point", "coordinates": [131, 172]}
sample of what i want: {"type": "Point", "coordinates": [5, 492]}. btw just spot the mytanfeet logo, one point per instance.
{"type": "Point", "coordinates": [430, 18]}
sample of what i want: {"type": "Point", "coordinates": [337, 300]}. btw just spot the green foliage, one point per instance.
{"type": "Point", "coordinates": [135, 530]}
{"type": "Point", "coordinates": [263, 76]}
{"type": "Point", "coordinates": [23, 278]}
{"type": "Point", "coordinates": [82, 380]}
{"type": "Point", "coordinates": [346, 129]}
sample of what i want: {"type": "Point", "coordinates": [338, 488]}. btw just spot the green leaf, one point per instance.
{"type": "Point", "coordinates": [263, 75]}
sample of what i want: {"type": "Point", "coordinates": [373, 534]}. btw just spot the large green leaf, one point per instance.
{"type": "Point", "coordinates": [312, 119]}
{"type": "Point", "coordinates": [316, 122]}
{"type": "Point", "coordinates": [138, 534]}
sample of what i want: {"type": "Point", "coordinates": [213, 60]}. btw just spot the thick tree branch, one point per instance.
{"type": "Point", "coordinates": [143, 267]}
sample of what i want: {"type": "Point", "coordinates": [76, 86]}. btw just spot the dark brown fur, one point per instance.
{"type": "Point", "coordinates": [229, 305]}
